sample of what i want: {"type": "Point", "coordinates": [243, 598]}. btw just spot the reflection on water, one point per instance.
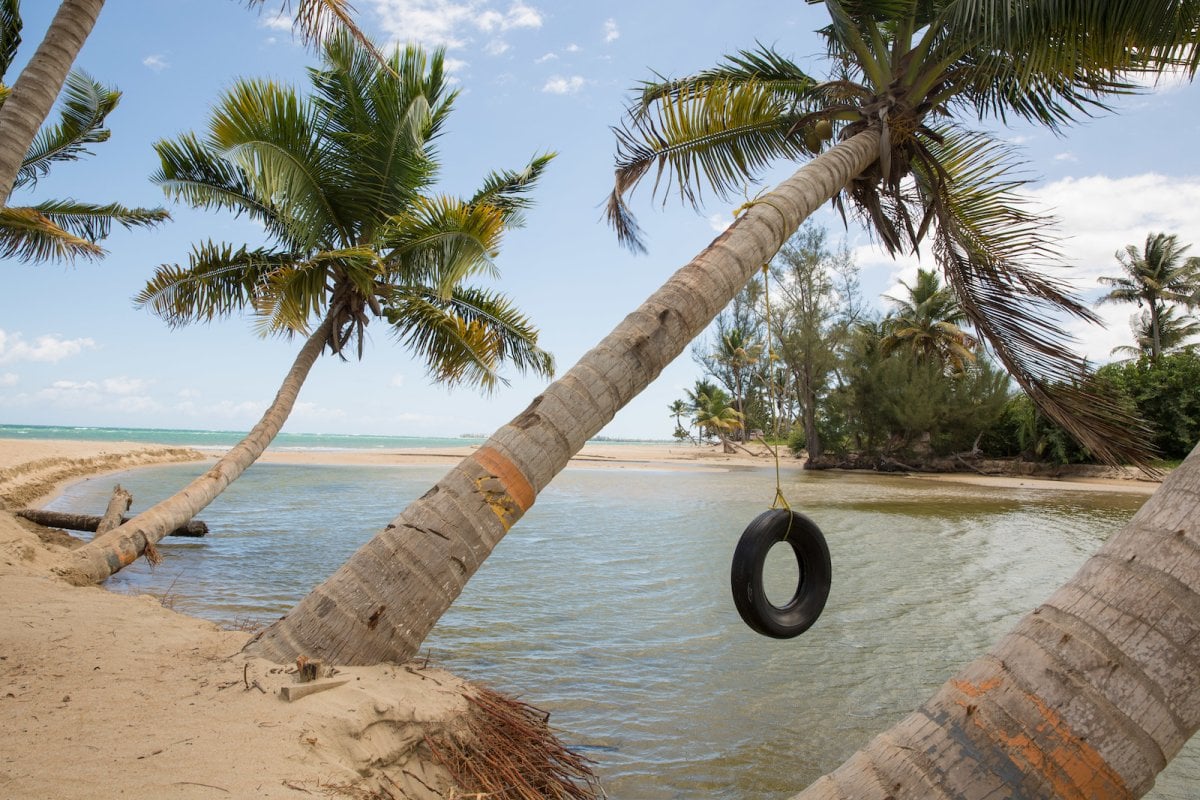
{"type": "Point", "coordinates": [608, 604]}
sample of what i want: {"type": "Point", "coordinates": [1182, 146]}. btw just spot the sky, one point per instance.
{"type": "Point", "coordinates": [534, 77]}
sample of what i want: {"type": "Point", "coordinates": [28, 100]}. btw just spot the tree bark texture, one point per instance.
{"type": "Point", "coordinates": [91, 522]}
{"type": "Point", "coordinates": [120, 547]}
{"type": "Point", "coordinates": [1088, 697]}
{"type": "Point", "coordinates": [118, 504]}
{"type": "Point", "coordinates": [383, 602]}
{"type": "Point", "coordinates": [37, 87]}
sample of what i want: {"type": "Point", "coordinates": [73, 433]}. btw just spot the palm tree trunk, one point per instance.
{"type": "Point", "coordinates": [1156, 338]}
{"type": "Point", "coordinates": [36, 89]}
{"type": "Point", "coordinates": [1089, 696]}
{"type": "Point", "coordinates": [381, 604]}
{"type": "Point", "coordinates": [107, 554]}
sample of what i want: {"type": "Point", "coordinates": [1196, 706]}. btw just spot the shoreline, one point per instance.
{"type": "Point", "coordinates": [50, 465]}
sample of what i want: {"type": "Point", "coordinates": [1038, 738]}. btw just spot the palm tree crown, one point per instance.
{"type": "Point", "coordinates": [61, 229]}
{"type": "Point", "coordinates": [1157, 277]}
{"type": "Point", "coordinates": [928, 322]}
{"type": "Point", "coordinates": [340, 181]}
{"type": "Point", "coordinates": [904, 71]}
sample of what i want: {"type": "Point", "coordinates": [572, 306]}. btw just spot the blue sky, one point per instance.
{"type": "Point", "coordinates": [535, 76]}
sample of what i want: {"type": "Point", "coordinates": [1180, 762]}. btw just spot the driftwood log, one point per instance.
{"type": "Point", "coordinates": [90, 522]}
{"type": "Point", "coordinates": [118, 504]}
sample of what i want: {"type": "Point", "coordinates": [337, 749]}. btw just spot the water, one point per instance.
{"type": "Point", "coordinates": [608, 604]}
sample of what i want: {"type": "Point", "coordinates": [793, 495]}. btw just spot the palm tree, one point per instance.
{"type": "Point", "coordinates": [903, 71]}
{"type": "Point", "coordinates": [927, 323]}
{"type": "Point", "coordinates": [1157, 276]}
{"type": "Point", "coordinates": [32, 96]}
{"type": "Point", "coordinates": [679, 410]}
{"type": "Point", "coordinates": [64, 229]}
{"type": "Point", "coordinates": [1173, 333]}
{"type": "Point", "coordinates": [716, 415]}
{"type": "Point", "coordinates": [1107, 667]}
{"type": "Point", "coordinates": [340, 181]}
{"type": "Point", "coordinates": [738, 354]}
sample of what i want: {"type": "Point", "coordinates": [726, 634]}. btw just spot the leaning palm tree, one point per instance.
{"type": "Point", "coordinates": [927, 323]}
{"type": "Point", "coordinates": [33, 94]}
{"type": "Point", "coordinates": [1094, 693]}
{"type": "Point", "coordinates": [1038, 60]}
{"type": "Point", "coordinates": [904, 71]}
{"type": "Point", "coordinates": [340, 180]}
{"type": "Point", "coordinates": [60, 229]}
{"type": "Point", "coordinates": [716, 415]}
{"type": "Point", "coordinates": [1157, 277]}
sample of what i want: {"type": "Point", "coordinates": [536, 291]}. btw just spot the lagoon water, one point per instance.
{"type": "Point", "coordinates": [609, 606]}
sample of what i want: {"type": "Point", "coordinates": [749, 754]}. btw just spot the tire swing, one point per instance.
{"type": "Point", "coordinates": [797, 615]}
{"type": "Point", "coordinates": [774, 526]}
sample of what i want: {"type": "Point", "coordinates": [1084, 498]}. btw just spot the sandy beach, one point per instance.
{"type": "Point", "coordinates": [116, 696]}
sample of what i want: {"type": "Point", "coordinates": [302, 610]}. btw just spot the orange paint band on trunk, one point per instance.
{"type": "Point", "coordinates": [514, 482]}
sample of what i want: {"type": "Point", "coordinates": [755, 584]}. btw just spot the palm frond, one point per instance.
{"type": "Point", "coordinates": [94, 222]}
{"type": "Point", "coordinates": [993, 254]}
{"type": "Point", "coordinates": [28, 235]}
{"type": "Point", "coordinates": [441, 241]}
{"type": "Point", "coordinates": [85, 104]}
{"type": "Point", "coordinates": [10, 33]}
{"type": "Point", "coordinates": [218, 281]}
{"type": "Point", "coordinates": [508, 191]}
{"type": "Point", "coordinates": [318, 20]}
{"type": "Point", "coordinates": [763, 67]}
{"type": "Point", "coordinates": [190, 172]}
{"type": "Point", "coordinates": [269, 133]}
{"type": "Point", "coordinates": [466, 338]}
{"type": "Point", "coordinates": [721, 136]}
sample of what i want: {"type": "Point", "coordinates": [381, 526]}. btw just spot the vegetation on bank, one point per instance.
{"type": "Point", "coordinates": [797, 356]}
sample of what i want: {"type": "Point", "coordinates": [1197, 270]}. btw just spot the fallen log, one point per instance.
{"type": "Point", "coordinates": [89, 522]}
{"type": "Point", "coordinates": [117, 506]}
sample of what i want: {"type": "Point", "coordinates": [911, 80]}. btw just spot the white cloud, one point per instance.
{"type": "Point", "coordinates": [496, 47]}
{"type": "Point", "coordinates": [1067, 156]}
{"type": "Point", "coordinates": [719, 222]}
{"type": "Point", "coordinates": [572, 48]}
{"type": "Point", "coordinates": [561, 85]}
{"type": "Point", "coordinates": [545, 58]}
{"type": "Point", "coordinates": [156, 62]}
{"type": "Point", "coordinates": [1096, 216]}
{"type": "Point", "coordinates": [276, 22]}
{"type": "Point", "coordinates": [611, 32]}
{"type": "Point", "coordinates": [451, 23]}
{"type": "Point", "coordinates": [121, 393]}
{"type": "Point", "coordinates": [49, 348]}
{"type": "Point", "coordinates": [9, 379]}
{"type": "Point", "coordinates": [397, 380]}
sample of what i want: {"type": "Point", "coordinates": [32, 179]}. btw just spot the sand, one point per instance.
{"type": "Point", "coordinates": [110, 696]}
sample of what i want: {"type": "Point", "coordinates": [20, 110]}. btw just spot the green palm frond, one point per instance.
{"type": "Point", "coordinates": [764, 67]}
{"type": "Point", "coordinates": [85, 104]}
{"type": "Point", "coordinates": [67, 229]}
{"type": "Point", "coordinates": [466, 338]}
{"type": "Point", "coordinates": [270, 134]}
{"type": "Point", "coordinates": [994, 254]}
{"type": "Point", "coordinates": [443, 240]}
{"type": "Point", "coordinates": [94, 222]}
{"type": "Point", "coordinates": [720, 136]}
{"type": "Point", "coordinates": [508, 191]}
{"type": "Point", "coordinates": [218, 281]}
{"type": "Point", "coordinates": [10, 33]}
{"type": "Point", "coordinates": [28, 235]}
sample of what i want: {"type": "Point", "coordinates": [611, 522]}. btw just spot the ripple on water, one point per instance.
{"type": "Point", "coordinates": [609, 603]}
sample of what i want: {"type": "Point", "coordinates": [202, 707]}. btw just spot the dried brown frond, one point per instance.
{"type": "Point", "coordinates": [510, 752]}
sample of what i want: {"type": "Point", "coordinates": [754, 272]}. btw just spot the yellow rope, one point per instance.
{"type": "Point", "coordinates": [779, 500]}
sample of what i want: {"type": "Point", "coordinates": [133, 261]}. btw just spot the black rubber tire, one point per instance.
{"type": "Point", "coordinates": [746, 575]}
